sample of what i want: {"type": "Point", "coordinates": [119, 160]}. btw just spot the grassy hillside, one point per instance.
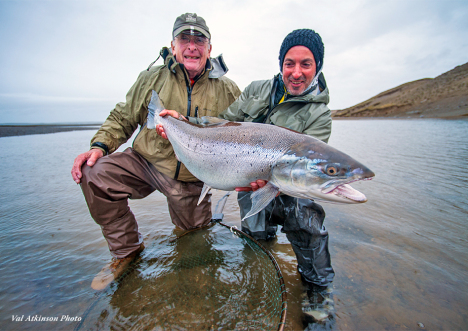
{"type": "Point", "coordinates": [445, 96]}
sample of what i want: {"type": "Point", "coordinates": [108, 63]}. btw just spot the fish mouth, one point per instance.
{"type": "Point", "coordinates": [346, 191]}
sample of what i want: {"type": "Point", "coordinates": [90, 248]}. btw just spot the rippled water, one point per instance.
{"type": "Point", "coordinates": [400, 259]}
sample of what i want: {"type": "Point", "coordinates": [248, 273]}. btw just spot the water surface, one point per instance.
{"type": "Point", "coordinates": [400, 259]}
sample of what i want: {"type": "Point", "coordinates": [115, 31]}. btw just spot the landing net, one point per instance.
{"type": "Point", "coordinates": [211, 279]}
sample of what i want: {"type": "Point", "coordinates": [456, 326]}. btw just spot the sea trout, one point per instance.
{"type": "Point", "coordinates": [225, 155]}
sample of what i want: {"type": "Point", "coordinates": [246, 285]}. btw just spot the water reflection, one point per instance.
{"type": "Point", "coordinates": [400, 259]}
{"type": "Point", "coordinates": [204, 280]}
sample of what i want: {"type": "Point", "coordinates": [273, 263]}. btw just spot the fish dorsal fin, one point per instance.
{"type": "Point", "coordinates": [261, 198]}
{"type": "Point", "coordinates": [210, 121]}
{"type": "Point", "coordinates": [204, 191]}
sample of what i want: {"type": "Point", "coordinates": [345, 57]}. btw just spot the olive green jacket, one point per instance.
{"type": "Point", "coordinates": [308, 114]}
{"type": "Point", "coordinates": [211, 94]}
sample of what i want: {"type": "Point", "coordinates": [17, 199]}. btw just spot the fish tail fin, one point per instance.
{"type": "Point", "coordinates": [261, 198]}
{"type": "Point", "coordinates": [154, 108]}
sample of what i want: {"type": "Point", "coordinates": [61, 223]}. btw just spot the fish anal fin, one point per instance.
{"type": "Point", "coordinates": [204, 191]}
{"type": "Point", "coordinates": [261, 198]}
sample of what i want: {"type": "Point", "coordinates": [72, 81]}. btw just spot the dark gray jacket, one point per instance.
{"type": "Point", "coordinates": [308, 114]}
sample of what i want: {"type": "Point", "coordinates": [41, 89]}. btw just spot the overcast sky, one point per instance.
{"type": "Point", "coordinates": [73, 60]}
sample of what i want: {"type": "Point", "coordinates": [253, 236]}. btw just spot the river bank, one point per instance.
{"type": "Point", "coordinates": [11, 130]}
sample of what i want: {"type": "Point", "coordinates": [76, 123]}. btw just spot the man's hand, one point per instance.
{"type": "Point", "coordinates": [253, 186]}
{"type": "Point", "coordinates": [90, 157]}
{"type": "Point", "coordinates": [159, 128]}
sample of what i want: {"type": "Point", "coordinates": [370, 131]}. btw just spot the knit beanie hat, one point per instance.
{"type": "Point", "coordinates": [303, 37]}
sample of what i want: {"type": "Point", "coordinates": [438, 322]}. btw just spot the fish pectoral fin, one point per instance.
{"type": "Point", "coordinates": [261, 198]}
{"type": "Point", "coordinates": [204, 191]}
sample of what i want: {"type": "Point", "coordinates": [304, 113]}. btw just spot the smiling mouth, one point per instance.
{"type": "Point", "coordinates": [191, 57]}
{"type": "Point", "coordinates": [296, 83]}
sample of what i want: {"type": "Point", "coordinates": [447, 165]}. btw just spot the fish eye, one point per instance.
{"type": "Point", "coordinates": [331, 170]}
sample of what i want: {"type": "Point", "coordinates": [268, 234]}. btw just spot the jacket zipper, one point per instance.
{"type": "Point", "coordinates": [189, 105]}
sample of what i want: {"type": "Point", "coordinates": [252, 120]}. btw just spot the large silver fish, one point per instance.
{"type": "Point", "coordinates": [226, 155]}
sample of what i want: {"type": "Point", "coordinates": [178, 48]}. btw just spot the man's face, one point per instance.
{"type": "Point", "coordinates": [299, 69]}
{"type": "Point", "coordinates": [192, 52]}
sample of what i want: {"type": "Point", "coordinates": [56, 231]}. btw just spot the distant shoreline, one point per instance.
{"type": "Point", "coordinates": [11, 130]}
{"type": "Point", "coordinates": [399, 118]}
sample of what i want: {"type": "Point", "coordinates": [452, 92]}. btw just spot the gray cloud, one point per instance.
{"type": "Point", "coordinates": [60, 57]}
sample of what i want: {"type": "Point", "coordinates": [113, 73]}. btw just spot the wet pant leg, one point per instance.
{"type": "Point", "coordinates": [115, 178]}
{"type": "Point", "coordinates": [302, 221]}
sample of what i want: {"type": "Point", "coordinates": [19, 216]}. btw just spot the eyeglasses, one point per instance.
{"type": "Point", "coordinates": [198, 40]}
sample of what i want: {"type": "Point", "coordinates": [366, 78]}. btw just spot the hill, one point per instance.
{"type": "Point", "coordinates": [445, 96]}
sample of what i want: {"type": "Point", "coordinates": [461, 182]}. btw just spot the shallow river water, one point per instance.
{"type": "Point", "coordinates": [400, 259]}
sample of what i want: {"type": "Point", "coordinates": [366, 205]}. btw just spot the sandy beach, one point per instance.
{"type": "Point", "coordinates": [22, 130]}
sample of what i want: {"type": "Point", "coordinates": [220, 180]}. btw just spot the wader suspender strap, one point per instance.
{"type": "Point", "coordinates": [263, 118]}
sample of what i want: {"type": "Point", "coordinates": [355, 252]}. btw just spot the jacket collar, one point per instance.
{"type": "Point", "coordinates": [216, 67]}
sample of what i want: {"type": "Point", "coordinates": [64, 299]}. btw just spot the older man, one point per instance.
{"type": "Point", "coordinates": [189, 82]}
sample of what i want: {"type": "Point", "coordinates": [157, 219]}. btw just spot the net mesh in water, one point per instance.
{"type": "Point", "coordinates": [210, 279]}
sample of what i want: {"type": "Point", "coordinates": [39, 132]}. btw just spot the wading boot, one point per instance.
{"type": "Point", "coordinates": [114, 269]}
{"type": "Point", "coordinates": [317, 304]}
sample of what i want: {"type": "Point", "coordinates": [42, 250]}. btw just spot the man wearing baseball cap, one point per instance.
{"type": "Point", "coordinates": [189, 82]}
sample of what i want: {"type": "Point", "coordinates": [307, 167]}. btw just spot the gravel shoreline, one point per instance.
{"type": "Point", "coordinates": [23, 130]}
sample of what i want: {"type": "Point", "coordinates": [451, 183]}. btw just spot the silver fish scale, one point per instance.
{"type": "Point", "coordinates": [229, 155]}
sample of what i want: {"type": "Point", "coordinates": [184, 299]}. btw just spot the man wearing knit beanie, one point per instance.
{"type": "Point", "coordinates": [296, 99]}
{"type": "Point", "coordinates": [305, 37]}
{"type": "Point", "coordinates": [311, 54]}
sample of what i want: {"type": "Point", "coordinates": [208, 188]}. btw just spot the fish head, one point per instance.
{"type": "Point", "coordinates": [312, 169]}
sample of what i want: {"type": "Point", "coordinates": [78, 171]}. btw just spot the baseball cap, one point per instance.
{"type": "Point", "coordinates": [190, 21]}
